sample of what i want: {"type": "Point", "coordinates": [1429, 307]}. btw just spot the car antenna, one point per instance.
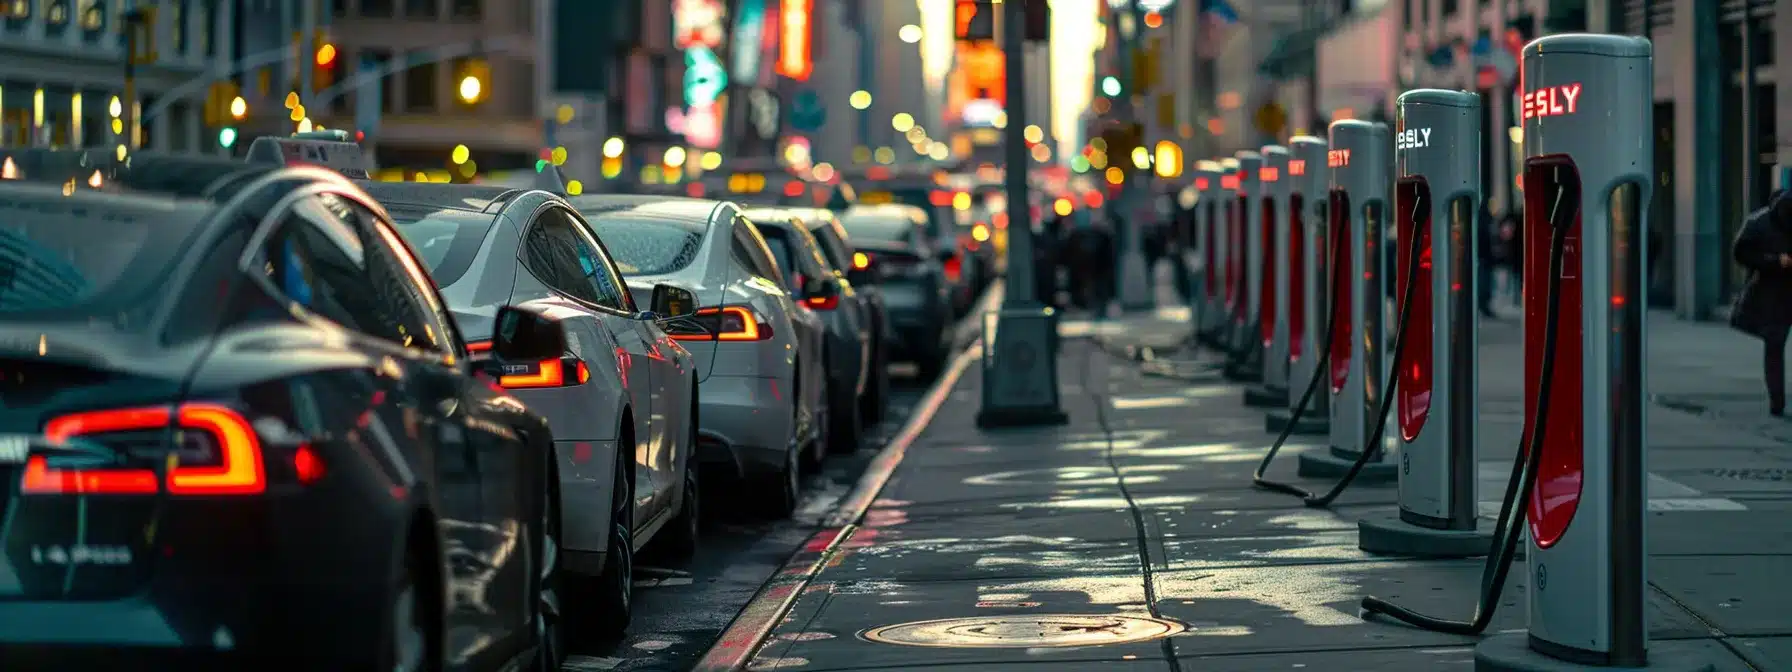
{"type": "Point", "coordinates": [547, 178]}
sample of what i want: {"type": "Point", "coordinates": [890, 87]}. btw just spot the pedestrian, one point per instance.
{"type": "Point", "coordinates": [1046, 259]}
{"type": "Point", "coordinates": [1484, 260]}
{"type": "Point", "coordinates": [1764, 306]}
{"type": "Point", "coordinates": [1512, 237]}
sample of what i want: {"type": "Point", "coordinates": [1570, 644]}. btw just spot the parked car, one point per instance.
{"type": "Point", "coordinates": [761, 373]}
{"type": "Point", "coordinates": [837, 248]}
{"type": "Point", "coordinates": [848, 343]}
{"type": "Point", "coordinates": [907, 262]}
{"type": "Point", "coordinates": [622, 399]}
{"type": "Point", "coordinates": [244, 429]}
{"type": "Point", "coordinates": [920, 191]}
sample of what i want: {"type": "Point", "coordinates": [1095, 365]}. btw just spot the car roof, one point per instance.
{"type": "Point", "coordinates": [149, 173]}
{"type": "Point", "coordinates": [901, 210]}
{"type": "Point", "coordinates": [665, 207]}
{"type": "Point", "coordinates": [466, 197]}
{"type": "Point", "coordinates": [779, 217]}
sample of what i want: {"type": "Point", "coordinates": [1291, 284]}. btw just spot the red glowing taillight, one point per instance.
{"type": "Point", "coordinates": [561, 372]}
{"type": "Point", "coordinates": [233, 446]}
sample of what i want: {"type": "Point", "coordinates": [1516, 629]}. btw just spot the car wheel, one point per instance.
{"type": "Point", "coordinates": [683, 532]}
{"type": "Point", "coordinates": [848, 419]}
{"type": "Point", "coordinates": [785, 484]}
{"type": "Point", "coordinates": [550, 641]}
{"type": "Point", "coordinates": [408, 645]}
{"type": "Point", "coordinates": [617, 582]}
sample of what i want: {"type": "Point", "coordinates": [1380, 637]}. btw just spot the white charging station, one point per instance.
{"type": "Point", "coordinates": [1242, 364]}
{"type": "Point", "coordinates": [1308, 284]}
{"type": "Point", "coordinates": [1357, 207]}
{"type": "Point", "coordinates": [1437, 193]}
{"type": "Point", "coordinates": [1270, 232]}
{"type": "Point", "coordinates": [1585, 102]}
{"type": "Point", "coordinates": [1209, 301]}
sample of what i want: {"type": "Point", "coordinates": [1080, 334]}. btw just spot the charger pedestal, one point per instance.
{"type": "Point", "coordinates": [1512, 652]}
{"type": "Point", "coordinates": [1019, 369]}
{"type": "Point", "coordinates": [1278, 420]}
{"type": "Point", "coordinates": [1385, 533]}
{"type": "Point", "coordinates": [1335, 461]}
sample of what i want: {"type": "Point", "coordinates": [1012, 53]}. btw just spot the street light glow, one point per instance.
{"type": "Point", "coordinates": [1110, 86]}
{"type": "Point", "coordinates": [902, 122]}
{"type": "Point", "coordinates": [675, 157]}
{"type": "Point", "coordinates": [910, 33]}
{"type": "Point", "coordinates": [613, 148]}
{"type": "Point", "coordinates": [470, 88]}
{"type": "Point", "coordinates": [860, 99]}
{"type": "Point", "coordinates": [1033, 134]}
{"type": "Point", "coordinates": [460, 154]}
{"type": "Point", "coordinates": [239, 107]}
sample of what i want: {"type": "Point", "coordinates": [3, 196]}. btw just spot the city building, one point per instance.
{"type": "Point", "coordinates": [62, 63]}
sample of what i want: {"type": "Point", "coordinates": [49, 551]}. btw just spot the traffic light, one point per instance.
{"type": "Point", "coordinates": [223, 102]}
{"type": "Point", "coordinates": [473, 77]}
{"type": "Point", "coordinates": [323, 69]}
{"type": "Point", "coordinates": [226, 137]}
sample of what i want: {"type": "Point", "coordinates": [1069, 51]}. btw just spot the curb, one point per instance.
{"type": "Point", "coordinates": [749, 630]}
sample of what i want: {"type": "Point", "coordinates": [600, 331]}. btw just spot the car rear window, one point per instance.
{"type": "Point", "coordinates": [83, 253]}
{"type": "Point", "coordinates": [783, 251]}
{"type": "Point", "coordinates": [447, 240]}
{"type": "Point", "coordinates": [649, 246]}
{"type": "Point", "coordinates": [880, 228]}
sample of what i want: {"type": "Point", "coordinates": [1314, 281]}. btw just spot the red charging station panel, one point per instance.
{"type": "Point", "coordinates": [1339, 285]}
{"type": "Point", "coordinates": [1266, 305]}
{"type": "Point", "coordinates": [1233, 263]}
{"type": "Point", "coordinates": [1552, 196]}
{"type": "Point", "coordinates": [1212, 254]}
{"type": "Point", "coordinates": [1412, 397]}
{"type": "Point", "coordinates": [1239, 248]}
{"type": "Point", "coordinates": [1297, 277]}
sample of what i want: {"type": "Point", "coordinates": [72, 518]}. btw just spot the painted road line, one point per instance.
{"type": "Point", "coordinates": [743, 637]}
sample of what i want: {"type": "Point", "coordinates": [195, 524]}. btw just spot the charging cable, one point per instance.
{"type": "Point", "coordinates": [1523, 480]}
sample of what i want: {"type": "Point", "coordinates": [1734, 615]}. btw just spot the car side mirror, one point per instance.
{"type": "Point", "coordinates": [821, 287]}
{"type": "Point", "coordinates": [671, 301]}
{"type": "Point", "coordinates": [524, 335]}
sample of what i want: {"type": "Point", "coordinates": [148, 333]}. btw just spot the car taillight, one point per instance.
{"type": "Point", "coordinates": [726, 323]}
{"type": "Point", "coordinates": [954, 268]}
{"type": "Point", "coordinates": [860, 261]}
{"type": "Point", "coordinates": [561, 372]}
{"type": "Point", "coordinates": [822, 302]}
{"type": "Point", "coordinates": [216, 452]}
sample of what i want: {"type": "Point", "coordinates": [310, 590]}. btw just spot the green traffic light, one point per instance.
{"type": "Point", "coordinates": [226, 137]}
{"type": "Point", "coordinates": [541, 165]}
{"type": "Point", "coordinates": [1110, 86]}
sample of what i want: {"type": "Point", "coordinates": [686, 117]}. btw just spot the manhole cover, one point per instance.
{"type": "Point", "coordinates": [1748, 474]}
{"type": "Point", "coordinates": [1024, 632]}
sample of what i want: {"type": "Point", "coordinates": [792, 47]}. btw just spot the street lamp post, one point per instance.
{"type": "Point", "coordinates": [1135, 277]}
{"type": "Point", "coordinates": [133, 28]}
{"type": "Point", "coordinates": [1020, 367]}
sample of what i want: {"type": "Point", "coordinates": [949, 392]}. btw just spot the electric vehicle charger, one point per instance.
{"type": "Point", "coordinates": [1523, 480]}
{"type": "Point", "coordinates": [1372, 447]}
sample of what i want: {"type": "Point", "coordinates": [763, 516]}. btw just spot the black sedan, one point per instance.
{"type": "Point", "coordinates": [237, 427]}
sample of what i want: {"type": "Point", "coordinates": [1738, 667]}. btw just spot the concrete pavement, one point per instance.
{"type": "Point", "coordinates": [1131, 538]}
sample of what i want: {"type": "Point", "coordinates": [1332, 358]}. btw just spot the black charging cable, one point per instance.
{"type": "Point", "coordinates": [1372, 447]}
{"type": "Point", "coordinates": [1523, 480]}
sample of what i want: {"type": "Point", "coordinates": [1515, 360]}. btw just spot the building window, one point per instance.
{"type": "Point", "coordinates": [208, 28]}
{"type": "Point", "coordinates": [420, 88]}
{"type": "Point", "coordinates": [377, 59]}
{"type": "Point", "coordinates": [466, 10]}
{"type": "Point", "coordinates": [376, 8]}
{"type": "Point", "coordinates": [93, 16]}
{"type": "Point", "coordinates": [56, 17]}
{"type": "Point", "coordinates": [177, 17]}
{"type": "Point", "coordinates": [17, 10]}
{"type": "Point", "coordinates": [420, 9]}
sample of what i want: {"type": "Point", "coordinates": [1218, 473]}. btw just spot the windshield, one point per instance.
{"type": "Point", "coordinates": [67, 253]}
{"type": "Point", "coordinates": [446, 240]}
{"type": "Point", "coordinates": [878, 228]}
{"type": "Point", "coordinates": [833, 247]}
{"type": "Point", "coordinates": [643, 246]}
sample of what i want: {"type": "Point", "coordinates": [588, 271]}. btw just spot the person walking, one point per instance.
{"type": "Point", "coordinates": [1512, 242]}
{"type": "Point", "coordinates": [1764, 306]}
{"type": "Point", "coordinates": [1484, 260]}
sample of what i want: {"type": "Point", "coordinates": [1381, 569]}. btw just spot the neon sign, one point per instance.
{"type": "Point", "coordinates": [1413, 138]}
{"type": "Point", "coordinates": [794, 57]}
{"type": "Point", "coordinates": [1201, 183]}
{"type": "Point", "coordinates": [1337, 158]}
{"type": "Point", "coordinates": [1269, 174]}
{"type": "Point", "coordinates": [1297, 167]}
{"type": "Point", "coordinates": [697, 23]}
{"type": "Point", "coordinates": [1229, 181]}
{"type": "Point", "coordinates": [1551, 101]}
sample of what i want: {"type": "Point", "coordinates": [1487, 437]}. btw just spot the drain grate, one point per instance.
{"type": "Point", "coordinates": [1749, 474]}
{"type": "Point", "coordinates": [1024, 632]}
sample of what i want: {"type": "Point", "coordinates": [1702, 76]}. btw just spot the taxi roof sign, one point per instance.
{"type": "Point", "coordinates": [343, 157]}
{"type": "Point", "coordinates": [548, 179]}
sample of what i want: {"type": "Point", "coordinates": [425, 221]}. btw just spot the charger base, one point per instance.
{"type": "Point", "coordinates": [1512, 652]}
{"type": "Point", "coordinates": [1385, 533]}
{"type": "Point", "coordinates": [1325, 464]}
{"type": "Point", "coordinates": [1265, 396]}
{"type": "Point", "coordinates": [1276, 421]}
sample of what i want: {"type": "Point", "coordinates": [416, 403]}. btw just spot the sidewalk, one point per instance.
{"type": "Point", "coordinates": [1179, 564]}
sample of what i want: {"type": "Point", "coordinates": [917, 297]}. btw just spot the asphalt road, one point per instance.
{"type": "Point", "coordinates": [679, 611]}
